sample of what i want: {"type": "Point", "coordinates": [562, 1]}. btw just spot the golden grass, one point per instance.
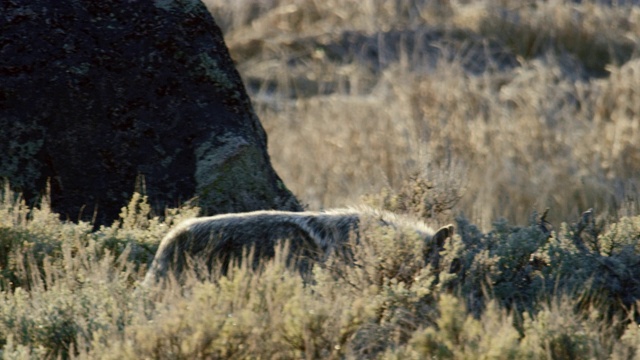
{"type": "Point", "coordinates": [534, 104]}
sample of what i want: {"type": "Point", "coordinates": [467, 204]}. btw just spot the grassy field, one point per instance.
{"type": "Point", "coordinates": [526, 104]}
{"type": "Point", "coordinates": [479, 113]}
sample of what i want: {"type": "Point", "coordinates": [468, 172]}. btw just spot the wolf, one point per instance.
{"type": "Point", "coordinates": [310, 237]}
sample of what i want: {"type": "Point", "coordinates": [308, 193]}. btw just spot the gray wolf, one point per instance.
{"type": "Point", "coordinates": [311, 236]}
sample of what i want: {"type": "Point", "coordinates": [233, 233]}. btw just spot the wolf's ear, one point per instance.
{"type": "Point", "coordinates": [441, 235]}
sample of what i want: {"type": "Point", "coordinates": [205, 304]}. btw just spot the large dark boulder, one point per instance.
{"type": "Point", "coordinates": [97, 94]}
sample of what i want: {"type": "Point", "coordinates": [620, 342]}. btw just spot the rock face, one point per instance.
{"type": "Point", "coordinates": [97, 94]}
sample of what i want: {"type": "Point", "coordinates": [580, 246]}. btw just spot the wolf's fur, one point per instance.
{"type": "Point", "coordinates": [311, 236]}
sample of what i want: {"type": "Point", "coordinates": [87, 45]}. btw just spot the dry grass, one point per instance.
{"type": "Point", "coordinates": [534, 104]}
{"type": "Point", "coordinates": [67, 292]}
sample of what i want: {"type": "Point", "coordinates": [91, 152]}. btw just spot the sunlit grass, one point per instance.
{"type": "Point", "coordinates": [533, 102]}
{"type": "Point", "coordinates": [67, 291]}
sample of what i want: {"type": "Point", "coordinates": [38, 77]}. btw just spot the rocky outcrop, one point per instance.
{"type": "Point", "coordinates": [94, 95]}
